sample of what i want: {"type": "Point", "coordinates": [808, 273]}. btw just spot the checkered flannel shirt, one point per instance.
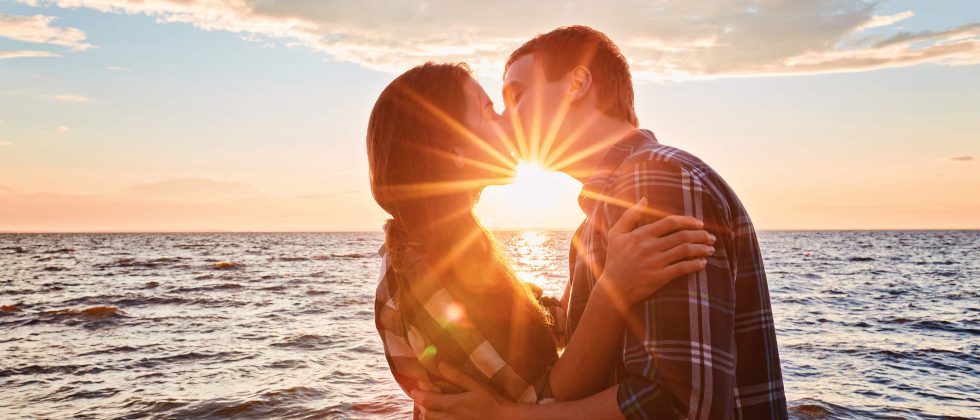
{"type": "Point", "coordinates": [413, 348]}
{"type": "Point", "coordinates": [704, 346]}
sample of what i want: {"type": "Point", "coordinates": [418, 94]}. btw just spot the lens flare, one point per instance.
{"type": "Point", "coordinates": [455, 313]}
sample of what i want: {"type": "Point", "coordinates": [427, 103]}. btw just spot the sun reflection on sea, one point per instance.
{"type": "Point", "coordinates": [530, 261]}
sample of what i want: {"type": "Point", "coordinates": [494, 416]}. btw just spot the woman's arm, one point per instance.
{"type": "Point", "coordinates": [481, 402]}
{"type": "Point", "coordinates": [585, 364]}
{"type": "Point", "coordinates": [603, 405]}
{"type": "Point", "coordinates": [639, 262]}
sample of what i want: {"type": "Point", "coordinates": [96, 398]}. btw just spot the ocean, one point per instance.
{"type": "Point", "coordinates": [870, 324]}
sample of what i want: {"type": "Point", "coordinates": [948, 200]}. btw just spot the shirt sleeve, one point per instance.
{"type": "Point", "coordinates": [404, 365]}
{"type": "Point", "coordinates": [679, 347]}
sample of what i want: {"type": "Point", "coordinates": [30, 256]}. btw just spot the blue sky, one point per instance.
{"type": "Point", "coordinates": [257, 125]}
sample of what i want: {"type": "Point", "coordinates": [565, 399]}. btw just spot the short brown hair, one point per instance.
{"type": "Point", "coordinates": [562, 49]}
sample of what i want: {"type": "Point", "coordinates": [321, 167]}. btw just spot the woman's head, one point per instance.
{"type": "Point", "coordinates": [431, 138]}
{"type": "Point", "coordinates": [432, 146]}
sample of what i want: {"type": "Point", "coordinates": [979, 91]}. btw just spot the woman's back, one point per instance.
{"type": "Point", "coordinates": [424, 319]}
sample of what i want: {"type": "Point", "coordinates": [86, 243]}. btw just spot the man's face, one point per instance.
{"type": "Point", "coordinates": [536, 108]}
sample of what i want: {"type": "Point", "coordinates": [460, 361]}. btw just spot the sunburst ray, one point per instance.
{"type": "Point", "coordinates": [458, 127]}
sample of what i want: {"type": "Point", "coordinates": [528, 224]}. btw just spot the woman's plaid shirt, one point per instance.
{"type": "Point", "coordinates": [440, 331]}
{"type": "Point", "coordinates": [704, 346]}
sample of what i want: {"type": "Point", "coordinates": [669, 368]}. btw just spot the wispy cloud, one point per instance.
{"type": "Point", "coordinates": [37, 29]}
{"type": "Point", "coordinates": [5, 143]}
{"type": "Point", "coordinates": [193, 188]}
{"type": "Point", "coordinates": [664, 39]}
{"type": "Point", "coordinates": [961, 159]}
{"type": "Point", "coordinates": [68, 97]}
{"type": "Point", "coordinates": [329, 196]}
{"type": "Point", "coordinates": [26, 54]}
{"type": "Point", "coordinates": [879, 21]}
{"type": "Point", "coordinates": [118, 68]}
{"type": "Point", "coordinates": [63, 129]}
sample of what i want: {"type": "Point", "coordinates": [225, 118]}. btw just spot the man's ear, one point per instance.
{"type": "Point", "coordinates": [579, 83]}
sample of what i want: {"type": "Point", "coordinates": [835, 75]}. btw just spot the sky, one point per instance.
{"type": "Point", "coordinates": [250, 115]}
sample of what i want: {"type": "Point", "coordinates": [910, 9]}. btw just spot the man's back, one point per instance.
{"type": "Point", "coordinates": [703, 346]}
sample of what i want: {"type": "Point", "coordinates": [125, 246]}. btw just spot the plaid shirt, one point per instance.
{"type": "Point", "coordinates": [441, 331]}
{"type": "Point", "coordinates": [704, 346]}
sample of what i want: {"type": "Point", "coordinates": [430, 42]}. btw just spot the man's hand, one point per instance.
{"type": "Point", "coordinates": [641, 259]}
{"type": "Point", "coordinates": [478, 402]}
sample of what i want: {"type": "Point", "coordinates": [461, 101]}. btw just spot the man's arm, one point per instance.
{"type": "Point", "coordinates": [679, 352]}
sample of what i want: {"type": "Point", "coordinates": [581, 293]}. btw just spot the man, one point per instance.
{"type": "Point", "coordinates": [704, 346]}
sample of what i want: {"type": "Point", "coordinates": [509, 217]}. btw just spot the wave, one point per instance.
{"type": "Point", "coordinates": [95, 312]}
{"type": "Point", "coordinates": [92, 317]}
{"type": "Point", "coordinates": [138, 300]}
{"type": "Point", "coordinates": [227, 265]}
{"type": "Point", "coordinates": [314, 292]}
{"type": "Point", "coordinates": [305, 341]}
{"type": "Point", "coordinates": [222, 286]}
{"type": "Point", "coordinates": [193, 356]}
{"type": "Point", "coordinates": [34, 370]}
{"type": "Point", "coordinates": [280, 403]}
{"type": "Point", "coordinates": [809, 408]}
{"type": "Point", "coordinates": [350, 256]}
{"type": "Point", "coordinates": [137, 263]}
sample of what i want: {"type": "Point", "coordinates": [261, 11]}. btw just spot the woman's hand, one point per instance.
{"type": "Point", "coordinates": [478, 402]}
{"type": "Point", "coordinates": [641, 260]}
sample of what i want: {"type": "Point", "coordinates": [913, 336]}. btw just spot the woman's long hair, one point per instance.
{"type": "Point", "coordinates": [415, 178]}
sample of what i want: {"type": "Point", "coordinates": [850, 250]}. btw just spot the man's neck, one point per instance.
{"type": "Point", "coordinates": [592, 145]}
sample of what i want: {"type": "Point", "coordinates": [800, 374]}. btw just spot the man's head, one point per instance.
{"type": "Point", "coordinates": [559, 83]}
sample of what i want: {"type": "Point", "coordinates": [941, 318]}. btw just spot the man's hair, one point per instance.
{"type": "Point", "coordinates": [563, 49]}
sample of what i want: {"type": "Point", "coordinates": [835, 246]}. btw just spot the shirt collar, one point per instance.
{"type": "Point", "coordinates": [612, 160]}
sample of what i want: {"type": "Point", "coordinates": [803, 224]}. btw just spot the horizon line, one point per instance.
{"type": "Point", "coordinates": [508, 230]}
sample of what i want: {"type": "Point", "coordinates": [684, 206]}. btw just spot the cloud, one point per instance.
{"type": "Point", "coordinates": [961, 159]}
{"type": "Point", "coordinates": [26, 54]}
{"type": "Point", "coordinates": [37, 29]}
{"type": "Point", "coordinates": [63, 129]}
{"type": "Point", "coordinates": [879, 21]}
{"type": "Point", "coordinates": [68, 97]}
{"type": "Point", "coordinates": [118, 68]}
{"type": "Point", "coordinates": [193, 188]}
{"type": "Point", "coordinates": [329, 196]}
{"type": "Point", "coordinates": [663, 39]}
{"type": "Point", "coordinates": [5, 143]}
{"type": "Point", "coordinates": [46, 95]}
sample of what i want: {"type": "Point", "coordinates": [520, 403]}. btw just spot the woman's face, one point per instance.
{"type": "Point", "coordinates": [487, 145]}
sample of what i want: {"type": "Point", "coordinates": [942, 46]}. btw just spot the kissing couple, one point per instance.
{"type": "Point", "coordinates": [666, 313]}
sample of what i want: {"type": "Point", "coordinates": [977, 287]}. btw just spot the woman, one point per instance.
{"type": "Point", "coordinates": [447, 297]}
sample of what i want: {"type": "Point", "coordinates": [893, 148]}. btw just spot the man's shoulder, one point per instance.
{"type": "Point", "coordinates": [668, 158]}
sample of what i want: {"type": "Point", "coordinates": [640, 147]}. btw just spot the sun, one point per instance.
{"type": "Point", "coordinates": [537, 199]}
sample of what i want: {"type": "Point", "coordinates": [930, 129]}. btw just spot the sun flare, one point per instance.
{"type": "Point", "coordinates": [537, 199]}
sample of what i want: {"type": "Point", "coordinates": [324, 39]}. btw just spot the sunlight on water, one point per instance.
{"type": "Point", "coordinates": [533, 239]}
{"type": "Point", "coordinates": [528, 248]}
